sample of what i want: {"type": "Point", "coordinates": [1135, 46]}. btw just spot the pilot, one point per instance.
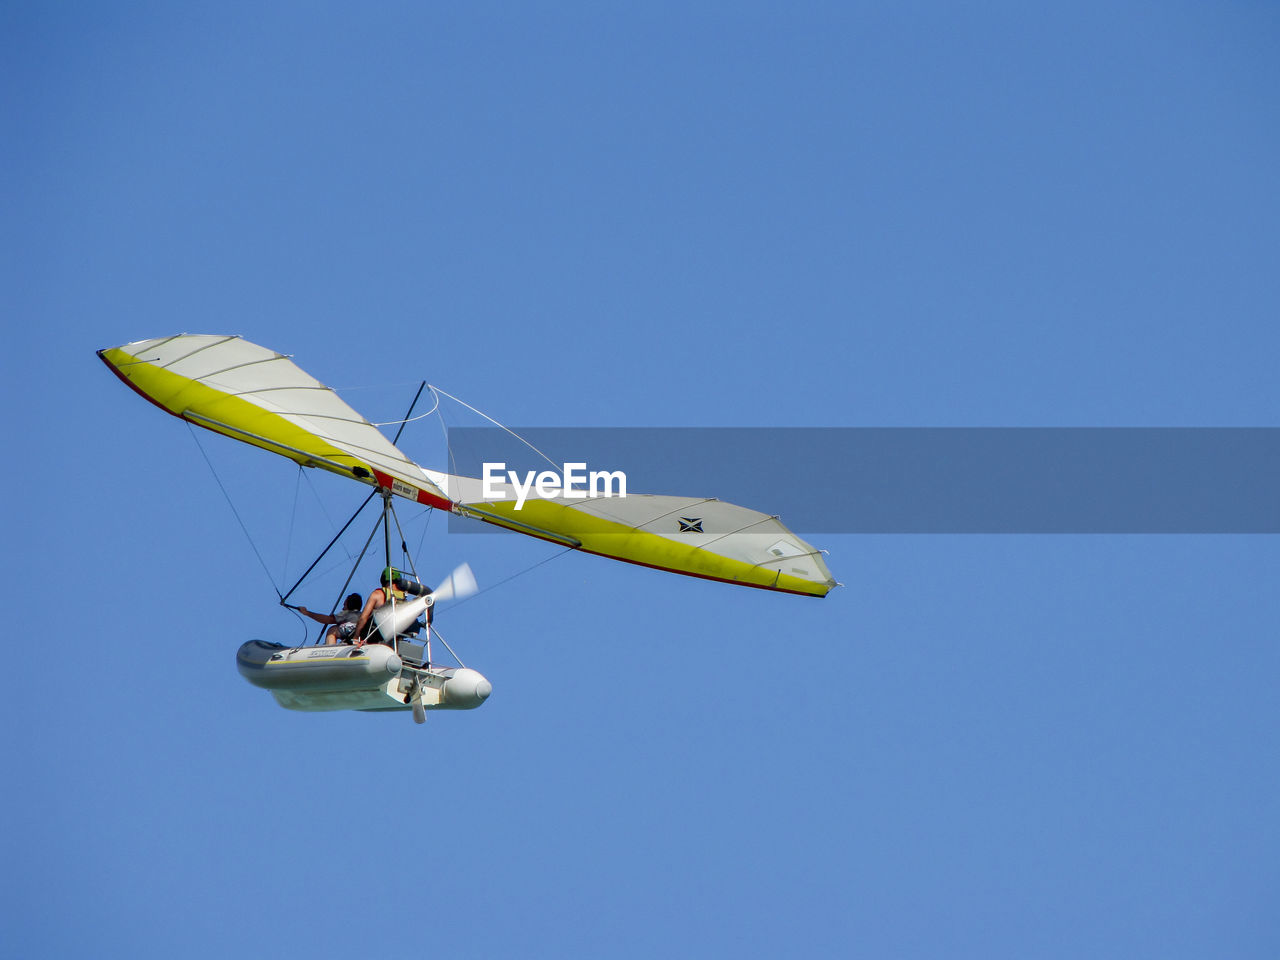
{"type": "Point", "coordinates": [344, 623]}
{"type": "Point", "coordinates": [366, 629]}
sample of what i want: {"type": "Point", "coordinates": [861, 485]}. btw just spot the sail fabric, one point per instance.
{"type": "Point", "coordinates": [695, 536]}
{"type": "Point", "coordinates": [261, 397]}
{"type": "Point", "coordinates": [256, 395]}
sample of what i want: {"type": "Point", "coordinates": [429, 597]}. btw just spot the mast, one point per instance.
{"type": "Point", "coordinates": [386, 535]}
{"type": "Point", "coordinates": [386, 522]}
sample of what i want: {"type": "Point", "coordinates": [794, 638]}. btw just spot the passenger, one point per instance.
{"type": "Point", "coordinates": [344, 623]}
{"type": "Point", "coordinates": [366, 629]}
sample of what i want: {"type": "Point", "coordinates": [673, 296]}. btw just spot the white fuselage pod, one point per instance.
{"type": "Point", "coordinates": [345, 677]}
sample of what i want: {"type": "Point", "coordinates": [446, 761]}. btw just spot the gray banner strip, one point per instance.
{"type": "Point", "coordinates": [929, 480]}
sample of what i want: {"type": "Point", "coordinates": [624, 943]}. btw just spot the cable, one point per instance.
{"type": "Point", "coordinates": [440, 636]}
{"type": "Point", "coordinates": [315, 494]}
{"type": "Point", "coordinates": [351, 575]}
{"type": "Point", "coordinates": [521, 573]}
{"type": "Point", "coordinates": [235, 512]}
{"type": "Point", "coordinates": [408, 417]}
{"type": "Point", "coordinates": [423, 539]}
{"type": "Point", "coordinates": [293, 519]}
{"type": "Point", "coordinates": [331, 543]}
{"type": "Point", "coordinates": [435, 389]}
{"type": "Point", "coordinates": [304, 576]}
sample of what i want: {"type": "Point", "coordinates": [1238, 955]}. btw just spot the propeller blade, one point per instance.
{"type": "Point", "coordinates": [458, 585]}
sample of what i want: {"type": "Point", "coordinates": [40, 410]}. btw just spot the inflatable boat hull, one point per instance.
{"type": "Point", "coordinates": [324, 668]}
{"type": "Point", "coordinates": [344, 677]}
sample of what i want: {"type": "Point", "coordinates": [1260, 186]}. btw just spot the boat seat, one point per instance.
{"type": "Point", "coordinates": [410, 652]}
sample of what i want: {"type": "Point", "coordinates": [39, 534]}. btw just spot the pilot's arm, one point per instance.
{"type": "Point", "coordinates": [318, 617]}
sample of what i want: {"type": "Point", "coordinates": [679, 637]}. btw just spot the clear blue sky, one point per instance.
{"type": "Point", "coordinates": [663, 214]}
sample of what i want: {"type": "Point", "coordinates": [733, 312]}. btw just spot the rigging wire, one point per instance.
{"type": "Point", "coordinates": [426, 526]}
{"type": "Point", "coordinates": [236, 512]}
{"type": "Point", "coordinates": [306, 631]}
{"type": "Point", "coordinates": [439, 392]}
{"type": "Point", "coordinates": [440, 636]}
{"type": "Point", "coordinates": [338, 564]}
{"type": "Point", "coordinates": [404, 547]}
{"type": "Point", "coordinates": [350, 576]}
{"type": "Point", "coordinates": [448, 447]}
{"type": "Point", "coordinates": [293, 519]}
{"type": "Point", "coordinates": [518, 573]}
{"type": "Point", "coordinates": [320, 502]}
{"type": "Point", "coordinates": [408, 417]}
{"type": "Point", "coordinates": [444, 429]}
{"type": "Point", "coordinates": [304, 576]}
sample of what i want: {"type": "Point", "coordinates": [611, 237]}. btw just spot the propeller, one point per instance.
{"type": "Point", "coordinates": [456, 586]}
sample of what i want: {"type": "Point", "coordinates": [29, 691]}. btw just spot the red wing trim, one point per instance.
{"type": "Point", "coordinates": [426, 497]}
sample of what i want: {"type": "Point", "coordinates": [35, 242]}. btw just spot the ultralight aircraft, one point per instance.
{"type": "Point", "coordinates": [252, 394]}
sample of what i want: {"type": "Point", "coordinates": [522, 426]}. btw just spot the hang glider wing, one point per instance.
{"type": "Point", "coordinates": [256, 395]}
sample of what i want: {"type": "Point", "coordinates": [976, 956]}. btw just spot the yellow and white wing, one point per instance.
{"type": "Point", "coordinates": [242, 390]}
{"type": "Point", "coordinates": [260, 397]}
